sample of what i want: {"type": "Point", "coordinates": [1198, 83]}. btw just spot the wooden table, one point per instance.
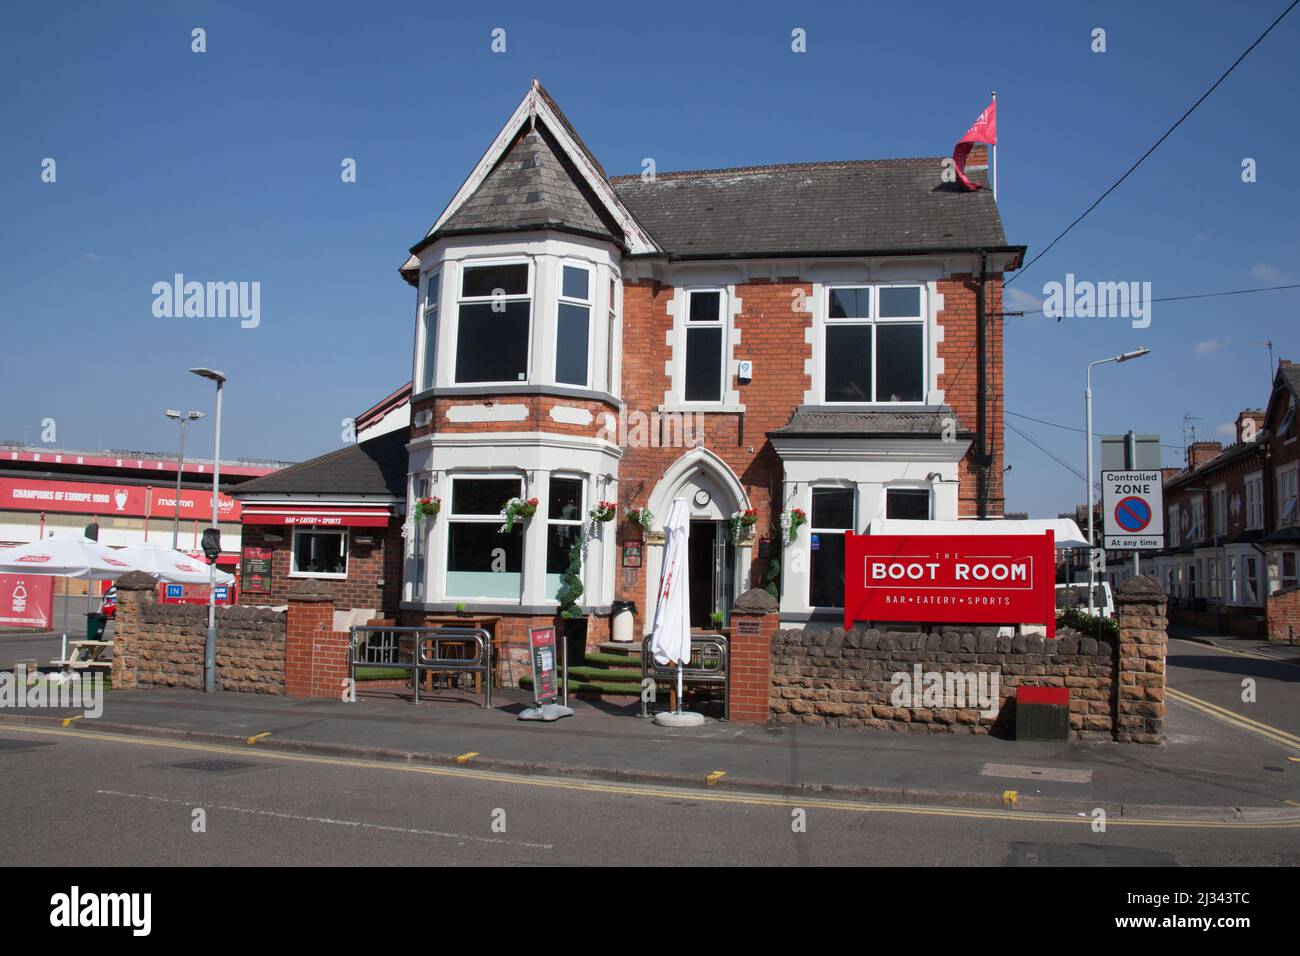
{"type": "Point", "coordinates": [486, 622]}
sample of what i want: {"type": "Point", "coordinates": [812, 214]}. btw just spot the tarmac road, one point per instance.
{"type": "Point", "coordinates": [132, 802]}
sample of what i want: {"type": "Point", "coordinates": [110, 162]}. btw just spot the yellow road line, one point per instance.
{"type": "Point", "coordinates": [1229, 650]}
{"type": "Point", "coordinates": [1234, 718]}
{"type": "Point", "coordinates": [676, 793]}
{"type": "Point", "coordinates": [256, 737]}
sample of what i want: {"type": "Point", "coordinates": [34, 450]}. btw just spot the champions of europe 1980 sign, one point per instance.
{"type": "Point", "coordinates": [967, 579]}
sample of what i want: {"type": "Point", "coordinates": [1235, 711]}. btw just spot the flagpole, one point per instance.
{"type": "Point", "coordinates": [995, 154]}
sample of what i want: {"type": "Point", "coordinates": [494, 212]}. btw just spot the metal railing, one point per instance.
{"type": "Point", "coordinates": [425, 650]}
{"type": "Point", "coordinates": [709, 664]}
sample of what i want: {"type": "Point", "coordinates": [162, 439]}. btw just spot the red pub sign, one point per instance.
{"type": "Point", "coordinates": [958, 579]}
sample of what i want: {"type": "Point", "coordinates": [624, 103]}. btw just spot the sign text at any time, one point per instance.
{"type": "Point", "coordinates": [1132, 509]}
{"type": "Point", "coordinates": [968, 579]}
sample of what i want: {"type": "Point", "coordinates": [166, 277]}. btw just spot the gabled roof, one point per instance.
{"type": "Point", "coordinates": [854, 207]}
{"type": "Point", "coordinates": [537, 110]}
{"type": "Point", "coordinates": [375, 467]}
{"type": "Point", "coordinates": [533, 186]}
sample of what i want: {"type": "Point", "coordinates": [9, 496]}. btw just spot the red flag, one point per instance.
{"type": "Point", "coordinates": [984, 130]}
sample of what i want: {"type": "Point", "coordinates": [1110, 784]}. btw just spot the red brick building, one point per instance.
{"type": "Point", "coordinates": [1232, 531]}
{"type": "Point", "coordinates": [821, 337]}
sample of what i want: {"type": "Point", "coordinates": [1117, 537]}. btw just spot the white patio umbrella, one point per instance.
{"type": "Point", "coordinates": [670, 637]}
{"type": "Point", "coordinates": [165, 564]}
{"type": "Point", "coordinates": [66, 557]}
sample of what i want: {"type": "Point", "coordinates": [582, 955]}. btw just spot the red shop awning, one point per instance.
{"type": "Point", "coordinates": [322, 517]}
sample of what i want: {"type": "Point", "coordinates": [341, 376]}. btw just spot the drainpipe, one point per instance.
{"type": "Point", "coordinates": [983, 459]}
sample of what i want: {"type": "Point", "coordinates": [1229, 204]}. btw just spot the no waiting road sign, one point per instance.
{"type": "Point", "coordinates": [1132, 510]}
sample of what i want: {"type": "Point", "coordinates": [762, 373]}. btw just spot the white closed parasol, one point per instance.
{"type": "Point", "coordinates": [670, 638]}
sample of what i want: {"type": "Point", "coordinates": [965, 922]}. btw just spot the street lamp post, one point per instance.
{"type": "Point", "coordinates": [180, 467]}
{"type": "Point", "coordinates": [210, 641]}
{"type": "Point", "coordinates": [1087, 478]}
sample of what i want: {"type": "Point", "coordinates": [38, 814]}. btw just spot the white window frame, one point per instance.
{"type": "Point", "coordinates": [1287, 490]}
{"type": "Point", "coordinates": [582, 513]}
{"type": "Point", "coordinates": [723, 322]}
{"type": "Point", "coordinates": [923, 320]}
{"type": "Point", "coordinates": [1175, 529]}
{"type": "Point", "coordinates": [611, 357]}
{"type": "Point", "coordinates": [329, 575]}
{"type": "Point", "coordinates": [1197, 531]}
{"type": "Point", "coordinates": [1250, 568]}
{"type": "Point", "coordinates": [853, 523]}
{"type": "Point", "coordinates": [1219, 510]}
{"type": "Point", "coordinates": [589, 304]}
{"type": "Point", "coordinates": [479, 519]}
{"type": "Point", "coordinates": [1254, 494]}
{"type": "Point", "coordinates": [427, 356]}
{"type": "Point", "coordinates": [460, 299]}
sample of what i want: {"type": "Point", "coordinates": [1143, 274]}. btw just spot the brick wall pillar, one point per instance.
{"type": "Point", "coordinates": [135, 589]}
{"type": "Point", "coordinates": [1143, 637]}
{"type": "Point", "coordinates": [754, 621]}
{"type": "Point", "coordinates": [315, 655]}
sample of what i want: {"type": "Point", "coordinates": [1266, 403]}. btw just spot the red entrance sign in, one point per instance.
{"type": "Point", "coordinates": [966, 579]}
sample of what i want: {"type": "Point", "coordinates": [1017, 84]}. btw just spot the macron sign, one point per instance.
{"type": "Point", "coordinates": [966, 579]}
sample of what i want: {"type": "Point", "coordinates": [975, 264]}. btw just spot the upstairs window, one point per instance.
{"type": "Point", "coordinates": [1219, 510]}
{"type": "Point", "coordinates": [1286, 495]}
{"type": "Point", "coordinates": [429, 330]}
{"type": "Point", "coordinates": [705, 334]}
{"type": "Point", "coordinates": [875, 344]}
{"type": "Point", "coordinates": [493, 323]}
{"type": "Point", "coordinates": [1197, 532]}
{"type": "Point", "coordinates": [573, 327]}
{"type": "Point", "coordinates": [1175, 537]}
{"type": "Point", "coordinates": [1255, 502]}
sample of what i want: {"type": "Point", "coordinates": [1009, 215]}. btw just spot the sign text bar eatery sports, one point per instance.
{"type": "Point", "coordinates": [966, 579]}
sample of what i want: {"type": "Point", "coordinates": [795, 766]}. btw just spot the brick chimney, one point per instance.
{"type": "Point", "coordinates": [1249, 432]}
{"type": "Point", "coordinates": [1199, 452]}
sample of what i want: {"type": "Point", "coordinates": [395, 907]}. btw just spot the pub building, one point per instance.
{"type": "Point", "coordinates": [794, 350]}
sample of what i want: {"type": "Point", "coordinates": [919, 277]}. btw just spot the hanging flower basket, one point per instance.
{"type": "Point", "coordinates": [517, 509]}
{"type": "Point", "coordinates": [742, 522]}
{"type": "Point", "coordinates": [790, 522]}
{"type": "Point", "coordinates": [427, 508]}
{"type": "Point", "coordinates": [640, 516]}
{"type": "Point", "coordinates": [604, 511]}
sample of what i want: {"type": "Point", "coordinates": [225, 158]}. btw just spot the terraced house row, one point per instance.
{"type": "Point", "coordinates": [1232, 530]}
{"type": "Point", "coordinates": [813, 344]}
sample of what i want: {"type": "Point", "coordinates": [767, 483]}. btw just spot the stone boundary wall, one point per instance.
{"type": "Point", "coordinates": [836, 678]}
{"type": "Point", "coordinates": [839, 678]}
{"type": "Point", "coordinates": [161, 645]}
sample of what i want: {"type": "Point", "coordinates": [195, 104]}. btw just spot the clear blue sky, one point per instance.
{"type": "Point", "coordinates": [225, 166]}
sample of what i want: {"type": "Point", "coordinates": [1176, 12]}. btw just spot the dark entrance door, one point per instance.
{"type": "Point", "coordinates": [712, 566]}
{"type": "Point", "coordinates": [700, 554]}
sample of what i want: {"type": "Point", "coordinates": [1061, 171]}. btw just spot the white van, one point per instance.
{"type": "Point", "coordinates": [1076, 595]}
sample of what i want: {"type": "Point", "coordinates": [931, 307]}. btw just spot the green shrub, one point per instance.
{"type": "Point", "coordinates": [1102, 628]}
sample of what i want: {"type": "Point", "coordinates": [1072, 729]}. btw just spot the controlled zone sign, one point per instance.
{"type": "Point", "coordinates": [1132, 510]}
{"type": "Point", "coordinates": [965, 579]}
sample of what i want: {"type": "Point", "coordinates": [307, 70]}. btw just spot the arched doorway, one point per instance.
{"type": "Point", "coordinates": [718, 566]}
